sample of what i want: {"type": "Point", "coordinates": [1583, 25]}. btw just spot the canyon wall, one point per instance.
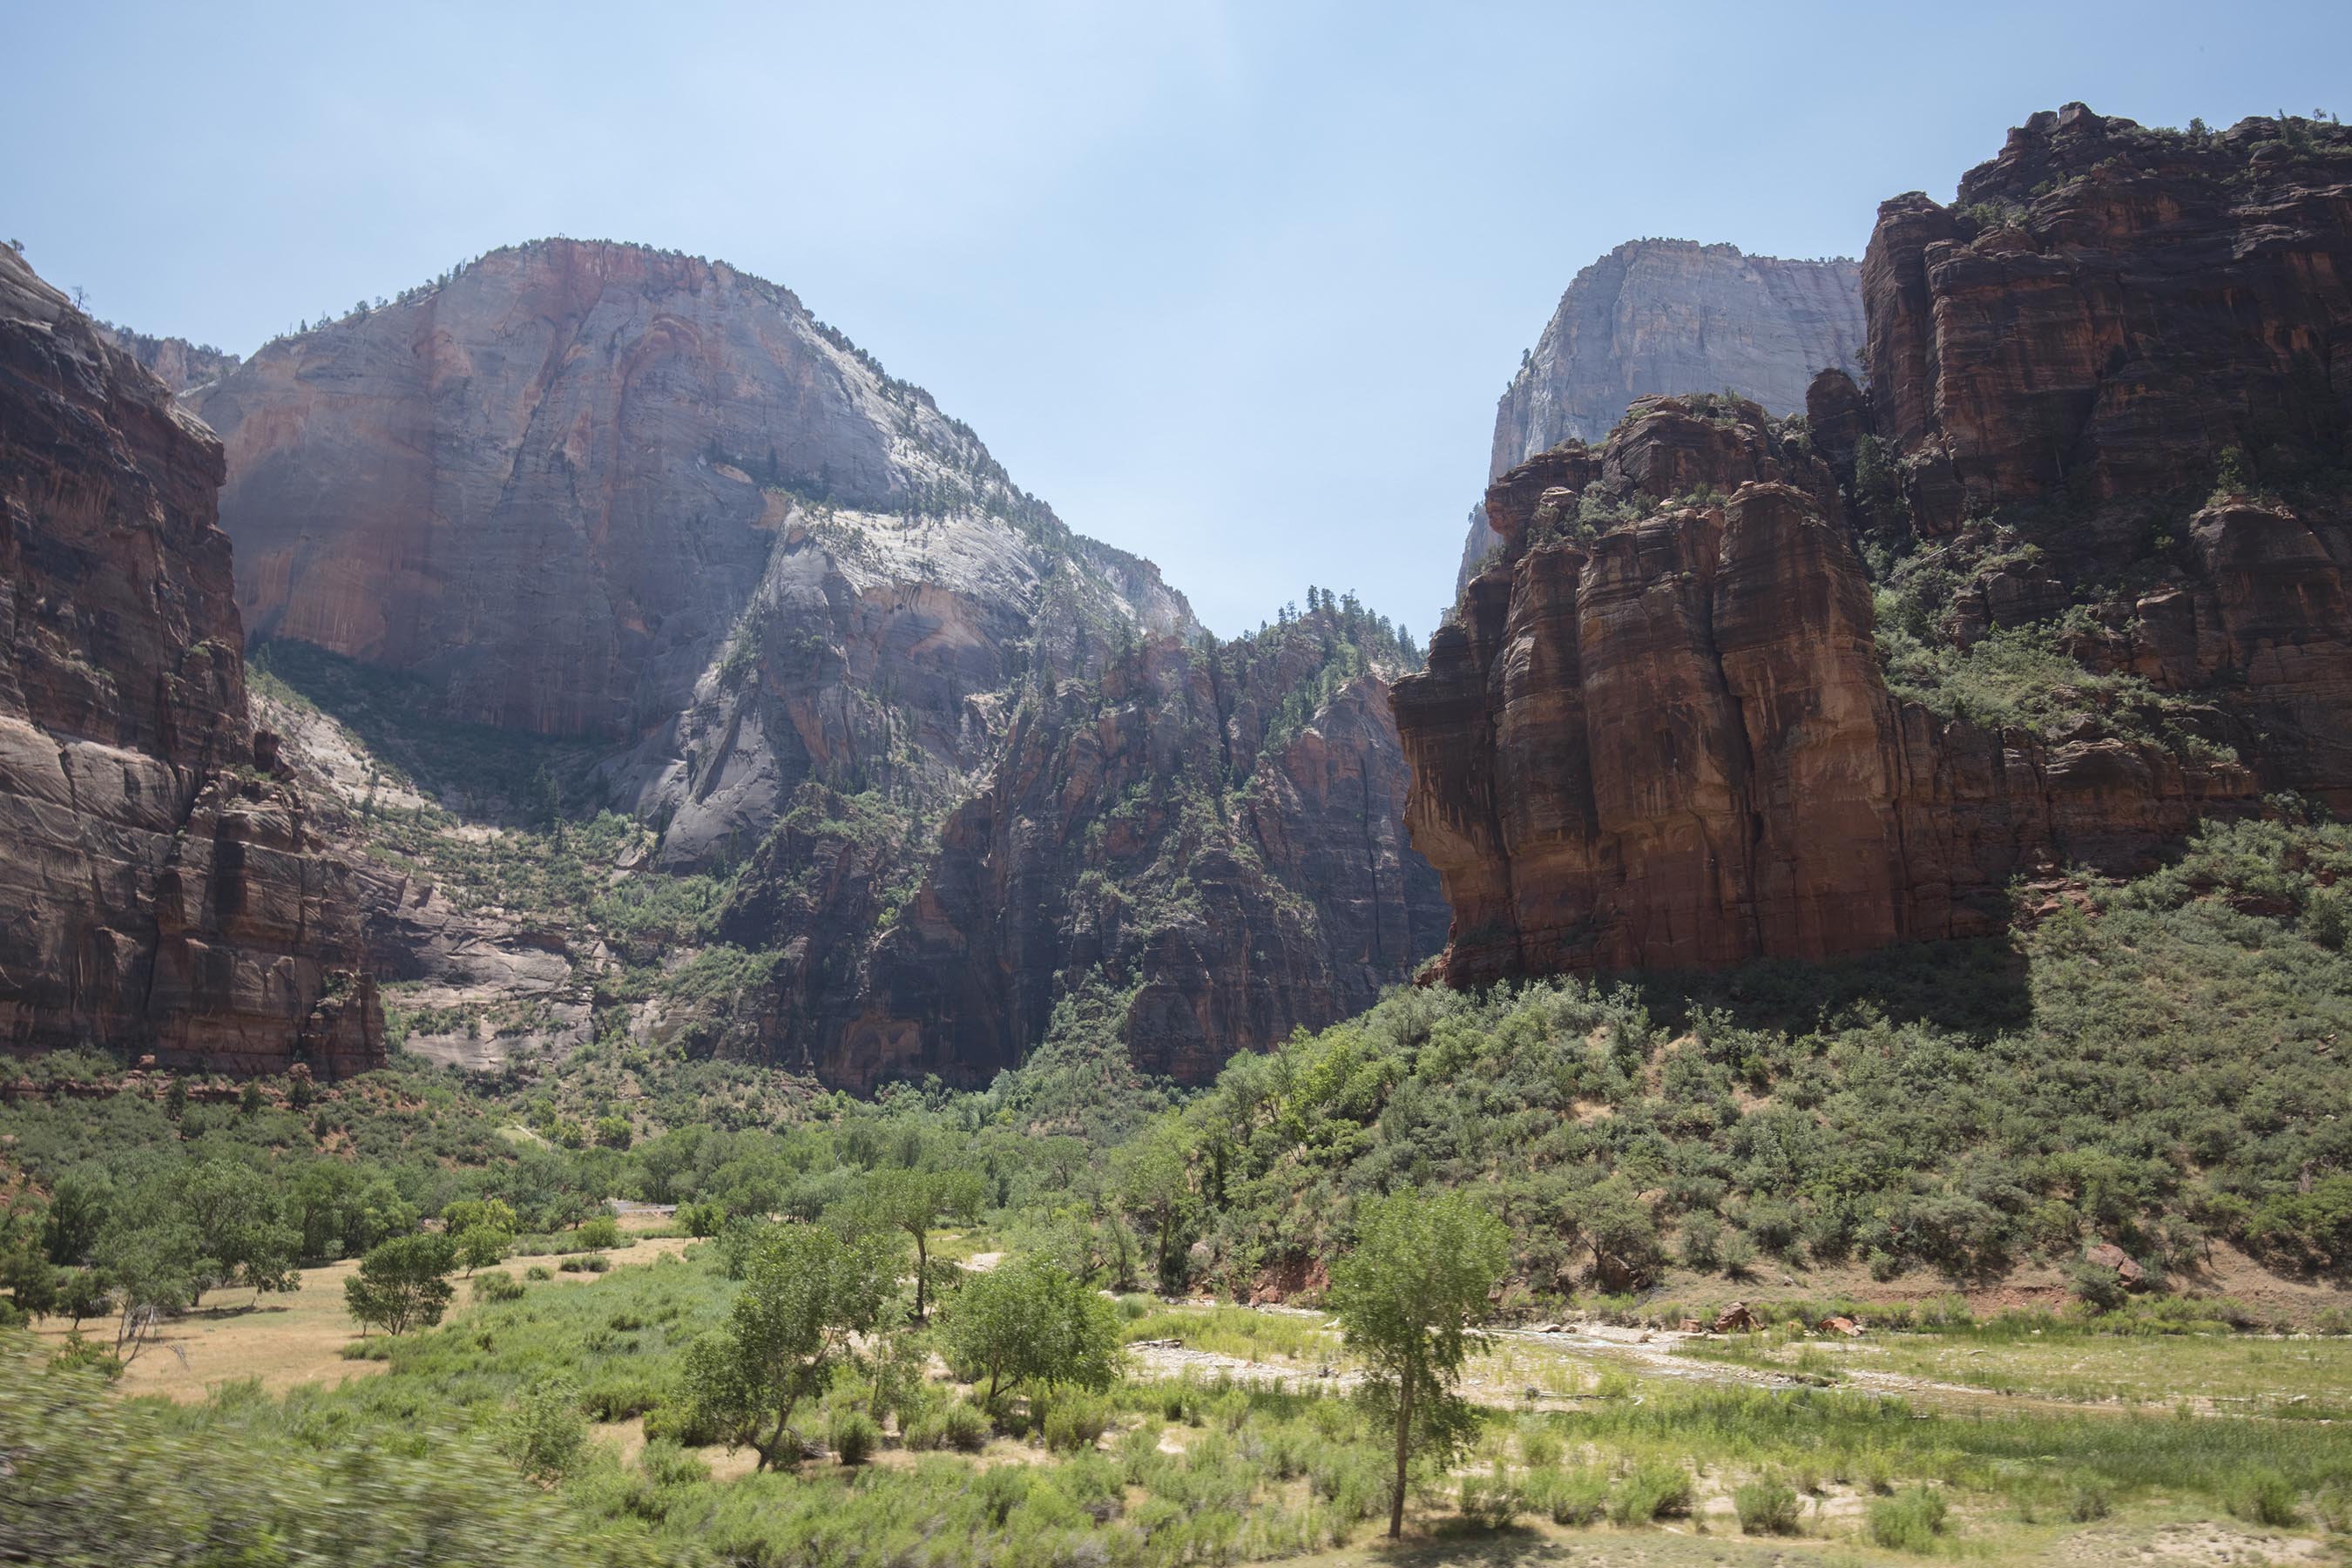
{"type": "Point", "coordinates": [161, 890]}
{"type": "Point", "coordinates": [956, 764]}
{"type": "Point", "coordinates": [1667, 727]}
{"type": "Point", "coordinates": [1668, 316]}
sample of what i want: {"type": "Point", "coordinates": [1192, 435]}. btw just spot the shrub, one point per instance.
{"type": "Point", "coordinates": [1492, 1501]}
{"type": "Point", "coordinates": [1573, 1497]}
{"type": "Point", "coordinates": [966, 1428]}
{"type": "Point", "coordinates": [2263, 1496]}
{"type": "Point", "coordinates": [676, 1421]}
{"type": "Point", "coordinates": [537, 1271]}
{"type": "Point", "coordinates": [498, 1285]}
{"type": "Point", "coordinates": [1908, 1522]}
{"type": "Point", "coordinates": [543, 1431]}
{"type": "Point", "coordinates": [923, 1430]}
{"type": "Point", "coordinates": [1650, 1491]}
{"type": "Point", "coordinates": [600, 1233]}
{"type": "Point", "coordinates": [1540, 1447]}
{"type": "Point", "coordinates": [851, 1437]}
{"type": "Point", "coordinates": [1075, 1422]}
{"type": "Point", "coordinates": [667, 1464]}
{"type": "Point", "coordinates": [2090, 1504]}
{"type": "Point", "coordinates": [1768, 1506]}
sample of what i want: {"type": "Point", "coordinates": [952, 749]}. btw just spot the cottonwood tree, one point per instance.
{"type": "Point", "coordinates": [403, 1283]}
{"type": "Point", "coordinates": [1407, 1297]}
{"type": "Point", "coordinates": [1031, 1322]}
{"type": "Point", "coordinates": [914, 1203]}
{"type": "Point", "coordinates": [806, 1292]}
{"type": "Point", "coordinates": [1152, 1176]}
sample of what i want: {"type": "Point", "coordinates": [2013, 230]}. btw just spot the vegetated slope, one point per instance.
{"type": "Point", "coordinates": [2155, 1063]}
{"type": "Point", "coordinates": [1899, 658]}
{"type": "Point", "coordinates": [1663, 317]}
{"type": "Point", "coordinates": [1202, 842]}
{"type": "Point", "coordinates": [161, 889]}
{"type": "Point", "coordinates": [589, 526]}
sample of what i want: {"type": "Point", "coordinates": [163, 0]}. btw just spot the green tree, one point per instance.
{"type": "Point", "coordinates": [914, 1203]}
{"type": "Point", "coordinates": [154, 1270]}
{"type": "Point", "coordinates": [240, 1227]}
{"type": "Point", "coordinates": [77, 1215]}
{"type": "Point", "coordinates": [1151, 1174]}
{"type": "Point", "coordinates": [1031, 1322]}
{"type": "Point", "coordinates": [403, 1283]}
{"type": "Point", "coordinates": [806, 1292]}
{"type": "Point", "coordinates": [1407, 1298]}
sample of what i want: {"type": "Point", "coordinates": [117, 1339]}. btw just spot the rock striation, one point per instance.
{"type": "Point", "coordinates": [1668, 316]}
{"type": "Point", "coordinates": [1667, 729]}
{"type": "Point", "coordinates": [1665, 740]}
{"type": "Point", "coordinates": [161, 890]}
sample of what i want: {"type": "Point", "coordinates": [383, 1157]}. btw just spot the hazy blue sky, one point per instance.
{"type": "Point", "coordinates": [1235, 286]}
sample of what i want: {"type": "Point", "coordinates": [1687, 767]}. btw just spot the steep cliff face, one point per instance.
{"type": "Point", "coordinates": [160, 888]}
{"type": "Point", "coordinates": [1659, 734]}
{"type": "Point", "coordinates": [953, 763]}
{"type": "Point", "coordinates": [554, 481]}
{"type": "Point", "coordinates": [1206, 839]}
{"type": "Point", "coordinates": [1666, 317]}
{"type": "Point", "coordinates": [2106, 308]}
{"type": "Point", "coordinates": [1739, 687]}
{"type": "Point", "coordinates": [178, 364]}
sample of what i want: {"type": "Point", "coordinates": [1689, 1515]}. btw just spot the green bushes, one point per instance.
{"type": "Point", "coordinates": [1650, 1491]}
{"type": "Point", "coordinates": [853, 1436]}
{"type": "Point", "coordinates": [2263, 1496]}
{"type": "Point", "coordinates": [965, 1428]}
{"type": "Point", "coordinates": [497, 1286]}
{"type": "Point", "coordinates": [1570, 1497]}
{"type": "Point", "coordinates": [1076, 1421]}
{"type": "Point", "coordinates": [1768, 1506]}
{"type": "Point", "coordinates": [1909, 1522]}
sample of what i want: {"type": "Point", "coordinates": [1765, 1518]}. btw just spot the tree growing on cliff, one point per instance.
{"type": "Point", "coordinates": [1407, 1297]}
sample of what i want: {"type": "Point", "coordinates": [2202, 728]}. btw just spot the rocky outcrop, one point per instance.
{"type": "Point", "coordinates": [1208, 839]}
{"type": "Point", "coordinates": [178, 364]}
{"type": "Point", "coordinates": [1659, 735]}
{"type": "Point", "coordinates": [2101, 448]}
{"type": "Point", "coordinates": [1667, 316]}
{"type": "Point", "coordinates": [2106, 307]}
{"type": "Point", "coordinates": [160, 892]}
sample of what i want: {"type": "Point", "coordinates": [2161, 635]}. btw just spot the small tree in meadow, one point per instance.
{"type": "Point", "coordinates": [806, 1292]}
{"type": "Point", "coordinates": [1407, 1297]}
{"type": "Point", "coordinates": [403, 1283]}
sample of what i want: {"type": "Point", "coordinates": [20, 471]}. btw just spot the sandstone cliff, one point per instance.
{"type": "Point", "coordinates": [953, 763]}
{"type": "Point", "coordinates": [1667, 316]}
{"type": "Point", "coordinates": [553, 482]}
{"type": "Point", "coordinates": [178, 364]}
{"type": "Point", "coordinates": [1206, 839]}
{"type": "Point", "coordinates": [1737, 687]}
{"type": "Point", "coordinates": [160, 892]}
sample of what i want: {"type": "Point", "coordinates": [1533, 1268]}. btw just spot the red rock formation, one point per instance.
{"type": "Point", "coordinates": [1220, 870]}
{"type": "Point", "coordinates": [2106, 308]}
{"type": "Point", "coordinates": [159, 888]}
{"type": "Point", "coordinates": [1665, 738]}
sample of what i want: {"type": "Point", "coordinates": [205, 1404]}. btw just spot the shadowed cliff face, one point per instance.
{"type": "Point", "coordinates": [1211, 838]}
{"type": "Point", "coordinates": [160, 889]}
{"type": "Point", "coordinates": [1668, 317]}
{"type": "Point", "coordinates": [1672, 725]}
